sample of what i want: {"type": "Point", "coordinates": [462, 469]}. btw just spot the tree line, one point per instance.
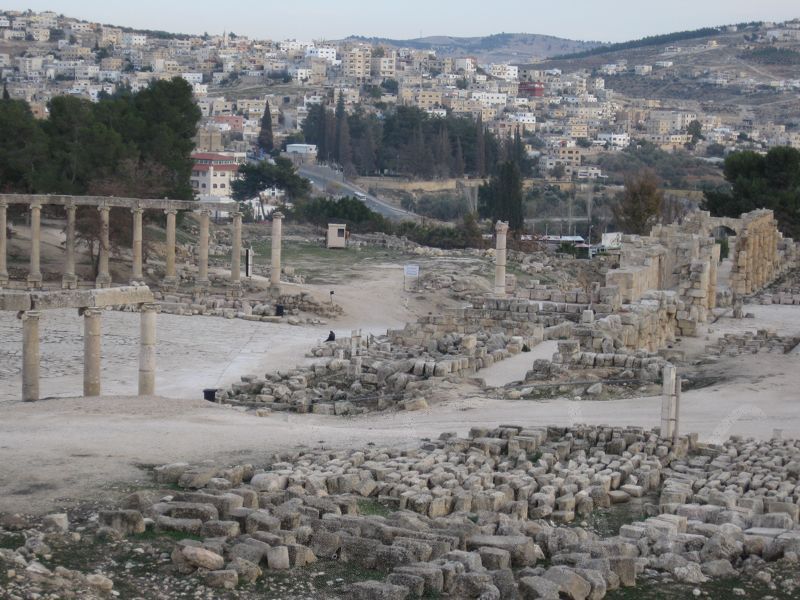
{"type": "Point", "coordinates": [128, 145]}
{"type": "Point", "coordinates": [403, 141]}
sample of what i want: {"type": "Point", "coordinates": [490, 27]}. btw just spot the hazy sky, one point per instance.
{"type": "Point", "coordinates": [610, 20]}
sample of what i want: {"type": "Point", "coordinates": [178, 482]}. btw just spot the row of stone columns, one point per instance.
{"type": "Point", "coordinates": [70, 279]}
{"type": "Point", "coordinates": [92, 355]}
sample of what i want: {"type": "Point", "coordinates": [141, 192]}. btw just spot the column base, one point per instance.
{"type": "Point", "coordinates": [69, 282]}
{"type": "Point", "coordinates": [3, 279]}
{"type": "Point", "coordinates": [34, 281]}
{"type": "Point", "coordinates": [275, 290]}
{"type": "Point", "coordinates": [103, 281]}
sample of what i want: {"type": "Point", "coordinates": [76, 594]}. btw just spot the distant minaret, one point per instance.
{"type": "Point", "coordinates": [224, 39]}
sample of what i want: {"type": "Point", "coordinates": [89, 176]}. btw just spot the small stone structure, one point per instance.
{"type": "Point", "coordinates": [90, 304]}
{"type": "Point", "coordinates": [104, 204]}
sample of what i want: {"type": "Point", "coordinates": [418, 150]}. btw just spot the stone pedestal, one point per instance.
{"type": "Point", "coordinates": [170, 277]}
{"type": "Point", "coordinates": [92, 338]}
{"type": "Point", "coordinates": [236, 250]}
{"type": "Point", "coordinates": [30, 355]}
{"type": "Point", "coordinates": [147, 350]}
{"type": "Point", "coordinates": [3, 244]}
{"type": "Point", "coordinates": [35, 274]}
{"type": "Point", "coordinates": [69, 281]}
{"type": "Point", "coordinates": [103, 274]}
{"type": "Point", "coordinates": [202, 253]}
{"type": "Point", "coordinates": [275, 268]}
{"type": "Point", "coordinates": [136, 269]}
{"type": "Point", "coordinates": [501, 230]}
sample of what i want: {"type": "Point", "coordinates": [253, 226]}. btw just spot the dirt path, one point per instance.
{"type": "Point", "coordinates": [59, 451]}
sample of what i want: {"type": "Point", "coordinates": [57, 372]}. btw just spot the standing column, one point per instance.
{"type": "Point", "coordinates": [30, 355]}
{"type": "Point", "coordinates": [147, 350]}
{"type": "Point", "coordinates": [275, 271]}
{"type": "Point", "coordinates": [202, 258]}
{"type": "Point", "coordinates": [236, 250]}
{"type": "Point", "coordinates": [35, 274]}
{"type": "Point", "coordinates": [92, 335]}
{"type": "Point", "coordinates": [136, 269]}
{"type": "Point", "coordinates": [69, 280]}
{"type": "Point", "coordinates": [501, 230]}
{"type": "Point", "coordinates": [3, 234]}
{"type": "Point", "coordinates": [170, 278]}
{"type": "Point", "coordinates": [668, 403]}
{"type": "Point", "coordinates": [103, 276]}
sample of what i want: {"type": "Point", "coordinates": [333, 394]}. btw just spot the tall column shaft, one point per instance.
{"type": "Point", "coordinates": [92, 337]}
{"type": "Point", "coordinates": [202, 258]}
{"type": "Point", "coordinates": [30, 355]}
{"type": "Point", "coordinates": [136, 268]}
{"type": "Point", "coordinates": [70, 280]}
{"type": "Point", "coordinates": [35, 274]}
{"type": "Point", "coordinates": [3, 244]}
{"type": "Point", "coordinates": [668, 401]}
{"type": "Point", "coordinates": [236, 250]}
{"type": "Point", "coordinates": [170, 276]}
{"type": "Point", "coordinates": [501, 231]}
{"type": "Point", "coordinates": [277, 233]}
{"type": "Point", "coordinates": [103, 275]}
{"type": "Point", "coordinates": [147, 350]}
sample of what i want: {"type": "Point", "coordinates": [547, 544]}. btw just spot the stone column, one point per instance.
{"type": "Point", "coordinates": [236, 250]}
{"type": "Point", "coordinates": [275, 270]}
{"type": "Point", "coordinates": [501, 230]}
{"type": "Point", "coordinates": [103, 275]}
{"type": "Point", "coordinates": [92, 336]}
{"type": "Point", "coordinates": [202, 258]}
{"type": "Point", "coordinates": [170, 279]}
{"type": "Point", "coordinates": [147, 350]}
{"type": "Point", "coordinates": [35, 274]}
{"type": "Point", "coordinates": [668, 401]}
{"type": "Point", "coordinates": [69, 281]}
{"type": "Point", "coordinates": [30, 355]}
{"type": "Point", "coordinates": [136, 269]}
{"type": "Point", "coordinates": [3, 234]}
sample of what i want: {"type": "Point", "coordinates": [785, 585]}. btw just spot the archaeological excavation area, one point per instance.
{"type": "Point", "coordinates": [506, 424]}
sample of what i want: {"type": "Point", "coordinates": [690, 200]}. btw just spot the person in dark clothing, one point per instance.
{"type": "Point", "coordinates": [331, 337]}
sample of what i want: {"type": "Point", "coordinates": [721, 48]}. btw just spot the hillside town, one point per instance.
{"type": "Point", "coordinates": [567, 118]}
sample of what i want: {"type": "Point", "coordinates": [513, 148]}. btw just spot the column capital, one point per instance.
{"type": "Point", "coordinates": [277, 215]}
{"type": "Point", "coordinates": [103, 207]}
{"type": "Point", "coordinates": [137, 210]}
{"type": "Point", "coordinates": [501, 227]}
{"type": "Point", "coordinates": [170, 211]}
{"type": "Point", "coordinates": [149, 307]}
{"type": "Point", "coordinates": [3, 203]}
{"type": "Point", "coordinates": [29, 315]}
{"type": "Point", "coordinates": [36, 205]}
{"type": "Point", "coordinates": [236, 214]}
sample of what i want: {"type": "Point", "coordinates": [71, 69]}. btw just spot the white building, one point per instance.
{"type": "Point", "coordinates": [192, 77]}
{"type": "Point", "coordinates": [327, 53]}
{"type": "Point", "coordinates": [133, 40]}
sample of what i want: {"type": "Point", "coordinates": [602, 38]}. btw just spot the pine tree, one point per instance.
{"type": "Point", "coordinates": [344, 150]}
{"type": "Point", "coordinates": [480, 148]}
{"type": "Point", "coordinates": [265, 139]}
{"type": "Point", "coordinates": [458, 160]}
{"type": "Point", "coordinates": [6, 95]}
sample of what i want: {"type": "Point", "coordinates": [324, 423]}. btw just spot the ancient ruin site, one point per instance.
{"type": "Point", "coordinates": [224, 410]}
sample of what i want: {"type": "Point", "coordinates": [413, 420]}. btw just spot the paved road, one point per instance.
{"type": "Point", "coordinates": [321, 176]}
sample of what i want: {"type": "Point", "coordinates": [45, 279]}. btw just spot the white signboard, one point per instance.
{"type": "Point", "coordinates": [411, 270]}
